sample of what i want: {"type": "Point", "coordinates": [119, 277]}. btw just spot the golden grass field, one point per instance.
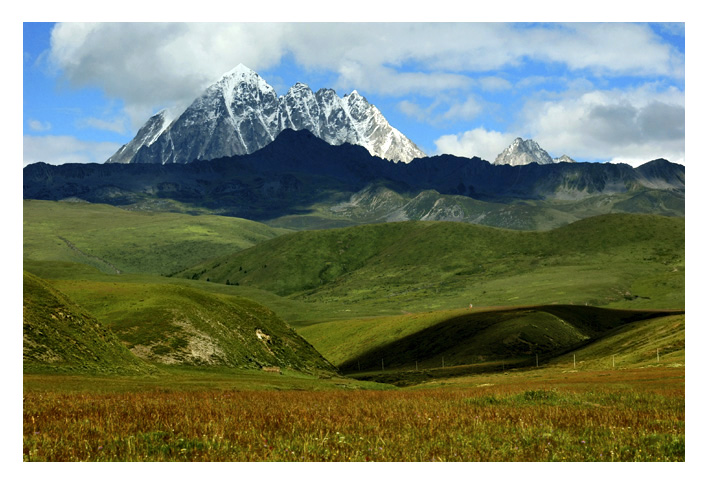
{"type": "Point", "coordinates": [536, 415]}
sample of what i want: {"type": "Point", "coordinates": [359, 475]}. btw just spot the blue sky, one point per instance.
{"type": "Point", "coordinates": [594, 91]}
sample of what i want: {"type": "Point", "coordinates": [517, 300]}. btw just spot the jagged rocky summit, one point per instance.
{"type": "Point", "coordinates": [524, 152]}
{"type": "Point", "coordinates": [564, 159]}
{"type": "Point", "coordinates": [241, 113]}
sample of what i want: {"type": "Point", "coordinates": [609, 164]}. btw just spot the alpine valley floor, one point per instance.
{"type": "Point", "coordinates": [155, 336]}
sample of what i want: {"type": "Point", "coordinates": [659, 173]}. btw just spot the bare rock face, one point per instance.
{"type": "Point", "coordinates": [241, 113]}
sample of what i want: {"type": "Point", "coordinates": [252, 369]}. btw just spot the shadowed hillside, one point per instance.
{"type": "Point", "coordinates": [515, 336]}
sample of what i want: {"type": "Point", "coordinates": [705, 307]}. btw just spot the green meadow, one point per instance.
{"type": "Point", "coordinates": [174, 337]}
{"type": "Point", "coordinates": [115, 240]}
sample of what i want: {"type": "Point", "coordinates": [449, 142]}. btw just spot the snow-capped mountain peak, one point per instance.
{"type": "Point", "coordinates": [564, 159]}
{"type": "Point", "coordinates": [147, 135]}
{"type": "Point", "coordinates": [523, 152]}
{"type": "Point", "coordinates": [241, 113]}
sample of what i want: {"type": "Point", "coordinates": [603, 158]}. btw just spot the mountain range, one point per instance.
{"type": "Point", "coordinates": [298, 175]}
{"type": "Point", "coordinates": [524, 152]}
{"type": "Point", "coordinates": [241, 113]}
{"type": "Point", "coordinates": [314, 160]}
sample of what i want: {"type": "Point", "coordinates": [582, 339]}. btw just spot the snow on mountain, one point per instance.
{"type": "Point", "coordinates": [146, 136]}
{"type": "Point", "coordinates": [564, 159]}
{"type": "Point", "coordinates": [241, 113]}
{"type": "Point", "coordinates": [523, 152]}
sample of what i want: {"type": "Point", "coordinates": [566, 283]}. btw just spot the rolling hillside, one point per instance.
{"type": "Point", "coordinates": [484, 338]}
{"type": "Point", "coordinates": [115, 240]}
{"type": "Point", "coordinates": [174, 324]}
{"type": "Point", "coordinates": [633, 261]}
{"type": "Point", "coordinates": [60, 336]}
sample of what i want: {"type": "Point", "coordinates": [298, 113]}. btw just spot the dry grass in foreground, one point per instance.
{"type": "Point", "coordinates": [634, 418]}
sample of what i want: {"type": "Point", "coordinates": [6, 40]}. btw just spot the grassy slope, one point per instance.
{"type": "Point", "coordinates": [387, 269]}
{"type": "Point", "coordinates": [634, 345]}
{"type": "Point", "coordinates": [179, 324]}
{"type": "Point", "coordinates": [60, 336]}
{"type": "Point", "coordinates": [469, 337]}
{"type": "Point", "coordinates": [113, 239]}
{"type": "Point", "coordinates": [554, 413]}
{"type": "Point", "coordinates": [287, 309]}
{"type": "Point", "coordinates": [634, 261]}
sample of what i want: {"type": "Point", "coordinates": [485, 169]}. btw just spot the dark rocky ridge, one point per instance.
{"type": "Point", "coordinates": [298, 169]}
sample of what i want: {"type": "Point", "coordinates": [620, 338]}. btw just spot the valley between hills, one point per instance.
{"type": "Point", "coordinates": [129, 303]}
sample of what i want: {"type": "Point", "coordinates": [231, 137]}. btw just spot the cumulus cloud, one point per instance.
{"type": "Point", "coordinates": [57, 150]}
{"type": "Point", "coordinates": [151, 65]}
{"type": "Point", "coordinates": [476, 142]}
{"type": "Point", "coordinates": [415, 111]}
{"type": "Point", "coordinates": [635, 125]}
{"type": "Point", "coordinates": [469, 109]}
{"type": "Point", "coordinates": [452, 72]}
{"type": "Point", "coordinates": [630, 126]}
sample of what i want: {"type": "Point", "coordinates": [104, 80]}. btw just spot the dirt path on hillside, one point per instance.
{"type": "Point", "coordinates": [88, 256]}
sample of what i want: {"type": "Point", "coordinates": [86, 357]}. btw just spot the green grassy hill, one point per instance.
{"type": "Point", "coordinates": [633, 261]}
{"type": "Point", "coordinates": [637, 344]}
{"type": "Point", "coordinates": [483, 337]}
{"type": "Point", "coordinates": [336, 286]}
{"type": "Point", "coordinates": [115, 240]}
{"type": "Point", "coordinates": [60, 336]}
{"type": "Point", "coordinates": [175, 324]}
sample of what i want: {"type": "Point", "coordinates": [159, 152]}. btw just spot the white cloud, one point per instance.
{"type": "Point", "coordinates": [57, 150]}
{"type": "Point", "coordinates": [388, 81]}
{"type": "Point", "coordinates": [150, 65]}
{"type": "Point", "coordinates": [635, 125]}
{"type": "Point", "coordinates": [494, 83]}
{"type": "Point", "coordinates": [476, 142]}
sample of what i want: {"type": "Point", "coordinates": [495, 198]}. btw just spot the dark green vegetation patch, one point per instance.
{"type": "Point", "coordinates": [633, 261]}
